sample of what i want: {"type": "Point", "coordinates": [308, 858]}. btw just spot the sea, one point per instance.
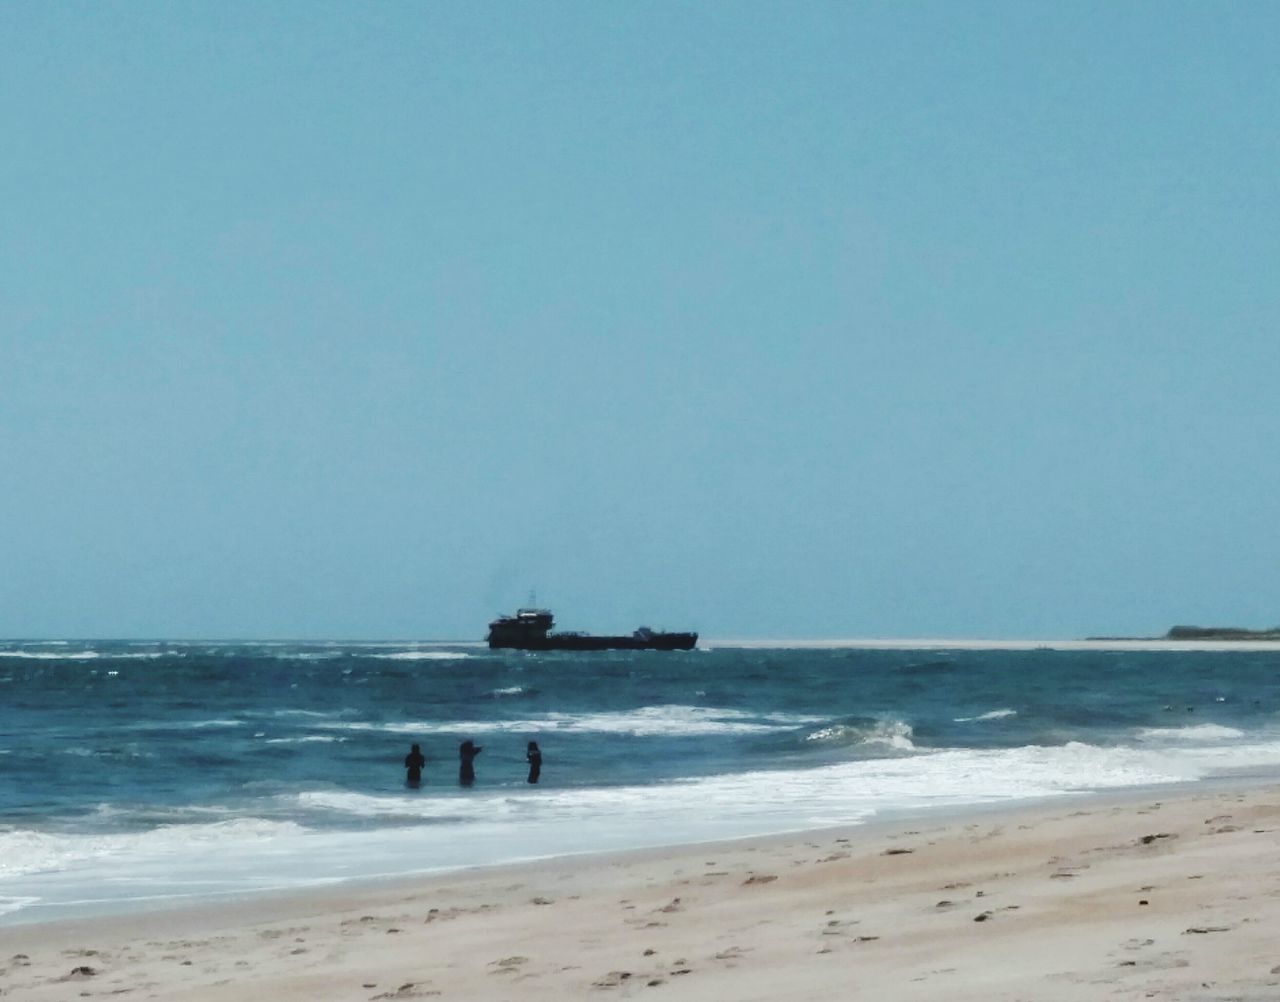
{"type": "Point", "coordinates": [146, 774]}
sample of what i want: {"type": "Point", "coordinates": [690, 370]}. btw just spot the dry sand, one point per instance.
{"type": "Point", "coordinates": [1159, 897]}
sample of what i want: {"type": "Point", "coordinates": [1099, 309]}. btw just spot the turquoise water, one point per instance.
{"type": "Point", "coordinates": [150, 772]}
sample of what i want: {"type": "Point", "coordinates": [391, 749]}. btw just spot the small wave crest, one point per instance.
{"type": "Point", "coordinates": [926, 668]}
{"type": "Point", "coordinates": [363, 805]}
{"type": "Point", "coordinates": [645, 721]}
{"type": "Point", "coordinates": [895, 734]}
{"type": "Point", "coordinates": [1197, 732]}
{"type": "Point", "coordinates": [28, 851]}
{"type": "Point", "coordinates": [992, 715]}
{"type": "Point", "coordinates": [421, 656]}
{"type": "Point", "coordinates": [88, 655]}
{"type": "Point", "coordinates": [8, 905]}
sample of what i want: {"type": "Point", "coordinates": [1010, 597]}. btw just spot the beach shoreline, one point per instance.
{"type": "Point", "coordinates": [1041, 900]}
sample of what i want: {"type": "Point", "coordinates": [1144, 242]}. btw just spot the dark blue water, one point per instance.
{"type": "Point", "coordinates": [115, 755]}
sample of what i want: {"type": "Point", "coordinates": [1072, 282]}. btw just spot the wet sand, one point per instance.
{"type": "Point", "coordinates": [1149, 896]}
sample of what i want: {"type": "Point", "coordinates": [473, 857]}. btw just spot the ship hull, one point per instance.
{"type": "Point", "coordinates": [588, 642]}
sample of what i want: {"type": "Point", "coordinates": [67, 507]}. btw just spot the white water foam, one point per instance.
{"type": "Point", "coordinates": [1196, 732]}
{"type": "Point", "coordinates": [646, 721]}
{"type": "Point", "coordinates": [992, 715]}
{"type": "Point", "coordinates": [895, 734]}
{"type": "Point", "coordinates": [422, 808]}
{"type": "Point", "coordinates": [9, 905]}
{"type": "Point", "coordinates": [448, 828]}
{"type": "Point", "coordinates": [421, 656]}
{"type": "Point", "coordinates": [87, 655]}
{"type": "Point", "coordinates": [23, 851]}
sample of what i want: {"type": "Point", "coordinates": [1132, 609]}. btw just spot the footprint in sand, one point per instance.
{"type": "Point", "coordinates": [409, 990]}
{"type": "Point", "coordinates": [508, 965]}
{"type": "Point", "coordinates": [611, 980]}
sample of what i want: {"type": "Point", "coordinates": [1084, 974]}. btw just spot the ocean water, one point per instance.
{"type": "Point", "coordinates": [142, 774]}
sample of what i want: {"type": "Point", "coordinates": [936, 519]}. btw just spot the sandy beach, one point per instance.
{"type": "Point", "coordinates": [1168, 897]}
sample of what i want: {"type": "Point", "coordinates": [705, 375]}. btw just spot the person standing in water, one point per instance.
{"type": "Point", "coordinates": [467, 752]}
{"type": "Point", "coordinates": [413, 763]}
{"type": "Point", "coordinates": [534, 758]}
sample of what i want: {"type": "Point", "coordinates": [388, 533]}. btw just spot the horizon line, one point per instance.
{"type": "Point", "coordinates": [744, 643]}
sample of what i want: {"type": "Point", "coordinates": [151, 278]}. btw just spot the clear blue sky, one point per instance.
{"type": "Point", "coordinates": [361, 320]}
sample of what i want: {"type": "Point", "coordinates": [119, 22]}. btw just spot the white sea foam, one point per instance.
{"type": "Point", "coordinates": [84, 655]}
{"type": "Point", "coordinates": [10, 905]}
{"type": "Point", "coordinates": [1196, 732]}
{"type": "Point", "coordinates": [511, 690]}
{"type": "Point", "coordinates": [307, 739]}
{"type": "Point", "coordinates": [992, 715]}
{"type": "Point", "coordinates": [423, 808]}
{"type": "Point", "coordinates": [646, 721]}
{"type": "Point", "coordinates": [895, 734]}
{"type": "Point", "coordinates": [24, 851]}
{"type": "Point", "coordinates": [437, 828]}
{"type": "Point", "coordinates": [785, 799]}
{"type": "Point", "coordinates": [421, 656]}
{"type": "Point", "coordinates": [51, 655]}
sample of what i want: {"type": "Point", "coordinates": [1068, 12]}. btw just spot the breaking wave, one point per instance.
{"type": "Point", "coordinates": [992, 715]}
{"type": "Point", "coordinates": [1197, 732]}
{"type": "Point", "coordinates": [894, 734]}
{"type": "Point", "coordinates": [647, 721]}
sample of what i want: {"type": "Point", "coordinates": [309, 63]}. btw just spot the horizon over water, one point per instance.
{"type": "Point", "coordinates": [137, 773]}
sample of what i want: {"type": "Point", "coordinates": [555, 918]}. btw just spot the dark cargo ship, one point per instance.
{"type": "Point", "coordinates": [530, 630]}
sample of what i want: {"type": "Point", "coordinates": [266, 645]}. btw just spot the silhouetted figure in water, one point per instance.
{"type": "Point", "coordinates": [413, 763]}
{"type": "Point", "coordinates": [534, 758]}
{"type": "Point", "coordinates": [467, 752]}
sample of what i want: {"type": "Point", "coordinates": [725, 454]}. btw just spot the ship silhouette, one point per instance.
{"type": "Point", "coordinates": [530, 630]}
